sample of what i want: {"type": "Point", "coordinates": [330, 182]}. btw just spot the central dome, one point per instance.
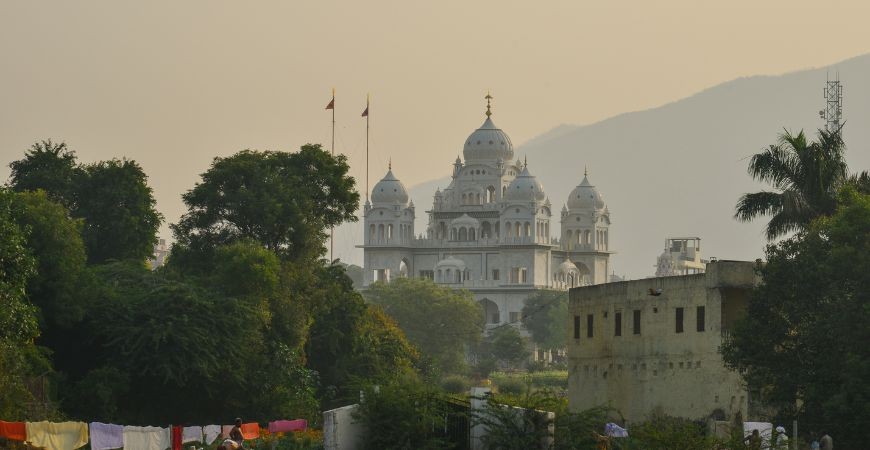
{"type": "Point", "coordinates": [488, 143]}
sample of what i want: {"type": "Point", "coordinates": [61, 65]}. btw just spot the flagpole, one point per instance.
{"type": "Point", "coordinates": [367, 147]}
{"type": "Point", "coordinates": [332, 228]}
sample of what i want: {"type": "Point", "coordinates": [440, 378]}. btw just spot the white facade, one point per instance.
{"type": "Point", "coordinates": [490, 231]}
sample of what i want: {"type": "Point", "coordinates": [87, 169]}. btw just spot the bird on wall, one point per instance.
{"type": "Point", "coordinates": [655, 292]}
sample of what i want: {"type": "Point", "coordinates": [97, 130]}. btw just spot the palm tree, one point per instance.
{"type": "Point", "coordinates": [807, 176]}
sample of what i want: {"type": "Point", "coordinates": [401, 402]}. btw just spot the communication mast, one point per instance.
{"type": "Point", "coordinates": [833, 111]}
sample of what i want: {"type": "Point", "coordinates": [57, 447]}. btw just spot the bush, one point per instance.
{"type": "Point", "coordinates": [404, 414]}
{"type": "Point", "coordinates": [512, 386]}
{"type": "Point", "coordinates": [455, 384]}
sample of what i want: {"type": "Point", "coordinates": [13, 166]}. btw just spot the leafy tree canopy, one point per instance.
{"type": "Point", "coordinates": [439, 321]}
{"type": "Point", "coordinates": [807, 326]}
{"type": "Point", "coordinates": [118, 208]}
{"type": "Point", "coordinates": [285, 201]}
{"type": "Point", "coordinates": [545, 316]}
{"type": "Point", "coordinates": [51, 167]}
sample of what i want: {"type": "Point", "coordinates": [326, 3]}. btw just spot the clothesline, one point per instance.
{"type": "Point", "coordinates": [106, 436]}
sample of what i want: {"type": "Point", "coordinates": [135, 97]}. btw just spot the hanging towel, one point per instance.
{"type": "Point", "coordinates": [146, 438]}
{"type": "Point", "coordinates": [225, 431]}
{"type": "Point", "coordinates": [176, 437]}
{"type": "Point", "coordinates": [191, 434]}
{"type": "Point", "coordinates": [105, 436]}
{"type": "Point", "coordinates": [57, 436]}
{"type": "Point", "coordinates": [250, 431]}
{"type": "Point", "coordinates": [210, 433]}
{"type": "Point", "coordinates": [15, 431]}
{"type": "Point", "coordinates": [284, 426]}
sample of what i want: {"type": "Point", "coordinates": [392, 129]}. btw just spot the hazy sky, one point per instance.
{"type": "Point", "coordinates": [173, 84]}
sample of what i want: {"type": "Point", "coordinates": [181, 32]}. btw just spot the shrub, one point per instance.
{"type": "Point", "coordinates": [455, 384]}
{"type": "Point", "coordinates": [512, 386]}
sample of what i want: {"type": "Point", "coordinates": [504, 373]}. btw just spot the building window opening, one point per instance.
{"type": "Point", "coordinates": [679, 320]}
{"type": "Point", "coordinates": [701, 318]}
{"type": "Point", "coordinates": [636, 321]}
{"type": "Point", "coordinates": [495, 274]}
{"type": "Point", "coordinates": [589, 328]}
{"type": "Point", "coordinates": [617, 324]}
{"type": "Point", "coordinates": [576, 327]}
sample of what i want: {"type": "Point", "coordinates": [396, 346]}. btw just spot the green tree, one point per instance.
{"type": "Point", "coordinates": [55, 241]}
{"type": "Point", "coordinates": [48, 166]}
{"type": "Point", "coordinates": [806, 176]}
{"type": "Point", "coordinates": [508, 346]}
{"type": "Point", "coordinates": [285, 201]}
{"type": "Point", "coordinates": [117, 205]}
{"type": "Point", "coordinates": [19, 357]}
{"type": "Point", "coordinates": [803, 342]}
{"type": "Point", "coordinates": [545, 317]}
{"type": "Point", "coordinates": [439, 321]}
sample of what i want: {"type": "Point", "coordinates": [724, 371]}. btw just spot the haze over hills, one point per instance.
{"type": "Point", "coordinates": [678, 169]}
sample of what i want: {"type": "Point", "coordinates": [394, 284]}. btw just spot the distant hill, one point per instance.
{"type": "Point", "coordinates": [678, 169]}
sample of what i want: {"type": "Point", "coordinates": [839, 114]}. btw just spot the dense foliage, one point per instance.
{"type": "Point", "coordinates": [545, 316]}
{"type": "Point", "coordinates": [440, 321]}
{"type": "Point", "coordinates": [803, 343]}
{"type": "Point", "coordinates": [112, 197]}
{"type": "Point", "coordinates": [243, 320]}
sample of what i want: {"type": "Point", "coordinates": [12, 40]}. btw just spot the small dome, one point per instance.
{"type": "Point", "coordinates": [567, 267]}
{"type": "Point", "coordinates": [450, 263]}
{"type": "Point", "coordinates": [585, 196]}
{"type": "Point", "coordinates": [390, 190]}
{"type": "Point", "coordinates": [465, 221]}
{"type": "Point", "coordinates": [525, 187]}
{"type": "Point", "coordinates": [488, 143]}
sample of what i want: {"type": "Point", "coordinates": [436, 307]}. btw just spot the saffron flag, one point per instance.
{"type": "Point", "coordinates": [366, 112]}
{"type": "Point", "coordinates": [331, 104]}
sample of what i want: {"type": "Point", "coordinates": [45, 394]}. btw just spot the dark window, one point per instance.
{"type": "Point", "coordinates": [701, 318]}
{"type": "Point", "coordinates": [576, 327]}
{"type": "Point", "coordinates": [495, 274]}
{"type": "Point", "coordinates": [679, 320]}
{"type": "Point", "coordinates": [617, 324]}
{"type": "Point", "coordinates": [589, 319]}
{"type": "Point", "coordinates": [636, 321]}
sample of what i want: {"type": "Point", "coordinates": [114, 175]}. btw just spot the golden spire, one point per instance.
{"type": "Point", "coordinates": [488, 106]}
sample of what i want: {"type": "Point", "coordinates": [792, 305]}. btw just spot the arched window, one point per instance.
{"type": "Point", "coordinates": [463, 234]}
{"type": "Point", "coordinates": [453, 234]}
{"type": "Point", "coordinates": [485, 230]}
{"type": "Point", "coordinates": [381, 233]}
{"type": "Point", "coordinates": [528, 229]}
{"type": "Point", "coordinates": [588, 238]}
{"type": "Point", "coordinates": [372, 235]}
{"type": "Point", "coordinates": [448, 276]}
{"type": "Point", "coordinates": [442, 231]}
{"type": "Point", "coordinates": [490, 194]}
{"type": "Point", "coordinates": [569, 235]}
{"type": "Point", "coordinates": [579, 238]}
{"type": "Point", "coordinates": [497, 228]}
{"type": "Point", "coordinates": [403, 268]}
{"type": "Point", "coordinates": [503, 191]}
{"type": "Point", "coordinates": [390, 232]}
{"type": "Point", "coordinates": [471, 236]}
{"type": "Point", "coordinates": [507, 229]}
{"type": "Point", "coordinates": [517, 230]}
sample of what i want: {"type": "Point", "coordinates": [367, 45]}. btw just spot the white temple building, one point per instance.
{"type": "Point", "coordinates": [489, 231]}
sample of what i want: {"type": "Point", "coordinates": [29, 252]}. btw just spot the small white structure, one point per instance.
{"type": "Point", "coordinates": [682, 256]}
{"type": "Point", "coordinates": [161, 251]}
{"type": "Point", "coordinates": [340, 430]}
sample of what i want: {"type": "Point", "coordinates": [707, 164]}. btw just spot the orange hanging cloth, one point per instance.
{"type": "Point", "coordinates": [16, 431]}
{"type": "Point", "coordinates": [250, 431]}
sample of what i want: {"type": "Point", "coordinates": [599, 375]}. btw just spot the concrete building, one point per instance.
{"type": "Point", "coordinates": [651, 345]}
{"type": "Point", "coordinates": [489, 231]}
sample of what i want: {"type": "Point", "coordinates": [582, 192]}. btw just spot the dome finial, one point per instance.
{"type": "Point", "coordinates": [585, 171]}
{"type": "Point", "coordinates": [390, 164]}
{"type": "Point", "coordinates": [488, 106]}
{"type": "Point", "coordinates": [525, 161]}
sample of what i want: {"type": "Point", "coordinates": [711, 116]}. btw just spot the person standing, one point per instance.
{"type": "Point", "coordinates": [826, 442]}
{"type": "Point", "coordinates": [781, 439]}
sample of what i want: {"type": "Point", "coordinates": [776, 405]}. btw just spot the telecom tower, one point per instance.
{"type": "Point", "coordinates": [833, 111]}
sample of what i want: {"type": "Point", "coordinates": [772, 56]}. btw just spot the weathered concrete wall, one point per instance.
{"type": "Point", "coordinates": [340, 430]}
{"type": "Point", "coordinates": [658, 368]}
